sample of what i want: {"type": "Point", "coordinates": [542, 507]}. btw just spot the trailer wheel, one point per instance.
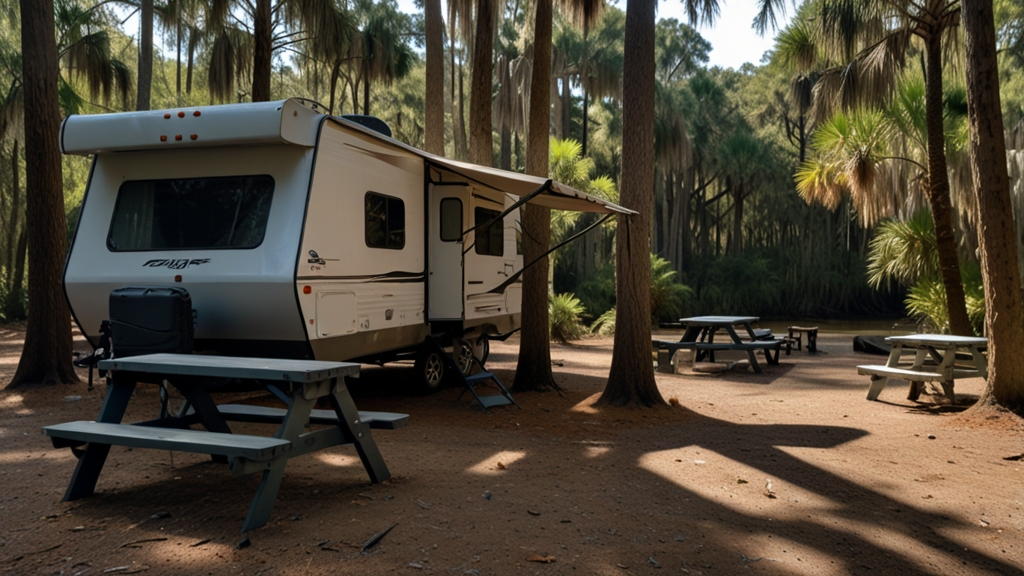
{"type": "Point", "coordinates": [463, 354]}
{"type": "Point", "coordinates": [430, 366]}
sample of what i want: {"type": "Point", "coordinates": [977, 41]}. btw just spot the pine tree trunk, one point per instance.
{"type": "Point", "coordinates": [433, 102]}
{"type": "Point", "coordinates": [1004, 319]}
{"type": "Point", "coordinates": [460, 140]}
{"type": "Point", "coordinates": [261, 52]}
{"type": "Point", "coordinates": [46, 356]}
{"type": "Point", "coordinates": [366, 95]}
{"type": "Point", "coordinates": [566, 108]}
{"type": "Point", "coordinates": [737, 220]}
{"type": "Point", "coordinates": [15, 217]}
{"type": "Point", "coordinates": [533, 370]}
{"type": "Point", "coordinates": [631, 378]}
{"type": "Point", "coordinates": [193, 41]}
{"type": "Point", "coordinates": [15, 310]}
{"type": "Point", "coordinates": [506, 148]}
{"type": "Point", "coordinates": [585, 115]}
{"type": "Point", "coordinates": [938, 195]}
{"type": "Point", "coordinates": [145, 79]}
{"type": "Point", "coordinates": [177, 60]}
{"type": "Point", "coordinates": [480, 130]}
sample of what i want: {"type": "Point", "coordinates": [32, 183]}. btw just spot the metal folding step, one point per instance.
{"type": "Point", "coordinates": [471, 381]}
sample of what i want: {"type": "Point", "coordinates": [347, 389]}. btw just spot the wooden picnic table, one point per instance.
{"type": "Point", "coordinates": [700, 337]}
{"type": "Point", "coordinates": [298, 383]}
{"type": "Point", "coordinates": [942, 349]}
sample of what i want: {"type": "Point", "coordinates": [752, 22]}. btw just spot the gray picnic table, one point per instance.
{"type": "Point", "coordinates": [942, 349]}
{"type": "Point", "coordinates": [298, 383]}
{"type": "Point", "coordinates": [700, 337]}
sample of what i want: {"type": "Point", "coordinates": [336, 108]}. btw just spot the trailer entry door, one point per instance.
{"type": "Point", "coordinates": [448, 220]}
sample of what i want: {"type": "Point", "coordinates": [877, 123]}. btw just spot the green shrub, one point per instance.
{"type": "Point", "coordinates": [605, 324]}
{"type": "Point", "coordinates": [564, 318]}
{"type": "Point", "coordinates": [669, 299]}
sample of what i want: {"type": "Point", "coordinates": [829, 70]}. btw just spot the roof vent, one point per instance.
{"type": "Point", "coordinates": [371, 122]}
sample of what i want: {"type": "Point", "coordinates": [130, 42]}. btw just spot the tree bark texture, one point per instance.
{"type": "Point", "coordinates": [46, 356]}
{"type": "Point", "coordinates": [533, 370]}
{"type": "Point", "coordinates": [461, 149]}
{"type": "Point", "coordinates": [434, 97]}
{"type": "Point", "coordinates": [15, 216]}
{"type": "Point", "coordinates": [261, 52]}
{"type": "Point", "coordinates": [1004, 319]}
{"type": "Point", "coordinates": [938, 195]}
{"type": "Point", "coordinates": [145, 79]}
{"type": "Point", "coordinates": [631, 379]}
{"type": "Point", "coordinates": [480, 140]}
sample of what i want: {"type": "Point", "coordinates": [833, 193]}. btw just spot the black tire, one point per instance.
{"type": "Point", "coordinates": [430, 368]}
{"type": "Point", "coordinates": [484, 345]}
{"type": "Point", "coordinates": [463, 355]}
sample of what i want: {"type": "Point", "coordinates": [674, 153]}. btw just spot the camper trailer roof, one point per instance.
{"type": "Point", "coordinates": [286, 122]}
{"type": "Point", "coordinates": [282, 122]}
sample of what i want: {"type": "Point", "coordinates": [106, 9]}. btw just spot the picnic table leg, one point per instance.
{"type": "Point", "coordinates": [295, 421]}
{"type": "Point", "coordinates": [915, 387]}
{"type": "Point", "coordinates": [200, 400]}
{"type": "Point", "coordinates": [878, 382]}
{"type": "Point", "coordinates": [358, 432]}
{"type": "Point", "coordinates": [946, 366]}
{"type": "Point", "coordinates": [87, 472]}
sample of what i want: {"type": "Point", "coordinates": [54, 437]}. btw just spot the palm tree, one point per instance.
{"type": "Point", "coordinates": [383, 54]}
{"type": "Point", "coordinates": [1004, 319]}
{"type": "Point", "coordinates": [46, 356]}
{"type": "Point", "coordinates": [874, 37]}
{"type": "Point", "coordinates": [533, 370]}
{"type": "Point", "coordinates": [145, 68]}
{"type": "Point", "coordinates": [481, 148]}
{"type": "Point", "coordinates": [434, 96]}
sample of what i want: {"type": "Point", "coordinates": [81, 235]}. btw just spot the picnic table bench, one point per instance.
{"type": "Point", "coordinates": [700, 336]}
{"type": "Point", "coordinates": [298, 383]}
{"type": "Point", "coordinates": [942, 350]}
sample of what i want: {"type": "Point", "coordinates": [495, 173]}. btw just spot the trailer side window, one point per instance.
{"type": "Point", "coordinates": [489, 242]}
{"type": "Point", "coordinates": [385, 221]}
{"type": "Point", "coordinates": [451, 219]}
{"type": "Point", "coordinates": [191, 214]}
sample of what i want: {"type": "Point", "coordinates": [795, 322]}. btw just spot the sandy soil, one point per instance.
{"type": "Point", "coordinates": [787, 472]}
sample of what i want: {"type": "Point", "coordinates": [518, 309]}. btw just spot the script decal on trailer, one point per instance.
{"type": "Point", "coordinates": [175, 264]}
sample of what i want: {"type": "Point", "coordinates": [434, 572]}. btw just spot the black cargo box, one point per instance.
{"type": "Point", "coordinates": [149, 320]}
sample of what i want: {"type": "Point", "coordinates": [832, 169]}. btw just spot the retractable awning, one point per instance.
{"type": "Point", "coordinates": [541, 191]}
{"type": "Point", "coordinates": [556, 195]}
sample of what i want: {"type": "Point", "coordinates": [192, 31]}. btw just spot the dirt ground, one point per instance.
{"type": "Point", "coordinates": [790, 471]}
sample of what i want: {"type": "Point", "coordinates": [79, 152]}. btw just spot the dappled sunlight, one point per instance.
{"type": "Point", "coordinates": [596, 451]}
{"type": "Point", "coordinates": [9, 401]}
{"type": "Point", "coordinates": [587, 405]}
{"type": "Point", "coordinates": [496, 463]}
{"type": "Point", "coordinates": [338, 459]}
{"type": "Point", "coordinates": [20, 456]}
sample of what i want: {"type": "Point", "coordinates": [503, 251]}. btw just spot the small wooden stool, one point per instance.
{"type": "Point", "coordinates": [796, 333]}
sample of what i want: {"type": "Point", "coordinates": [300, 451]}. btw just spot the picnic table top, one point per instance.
{"type": "Point", "coordinates": [937, 340]}
{"type": "Point", "coordinates": [718, 320]}
{"type": "Point", "coordinates": [232, 367]}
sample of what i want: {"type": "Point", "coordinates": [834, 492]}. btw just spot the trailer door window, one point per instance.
{"type": "Point", "coordinates": [191, 213]}
{"type": "Point", "coordinates": [489, 242]}
{"type": "Point", "coordinates": [451, 219]}
{"type": "Point", "coordinates": [385, 221]}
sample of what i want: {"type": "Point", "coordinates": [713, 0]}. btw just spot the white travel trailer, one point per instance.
{"type": "Point", "coordinates": [299, 234]}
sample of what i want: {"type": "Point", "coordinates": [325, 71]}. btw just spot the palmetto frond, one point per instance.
{"type": "Point", "coordinates": [903, 251]}
{"type": "Point", "coordinates": [88, 56]}
{"type": "Point", "coordinates": [797, 47]}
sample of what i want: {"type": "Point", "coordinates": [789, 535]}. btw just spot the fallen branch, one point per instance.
{"type": "Point", "coordinates": [143, 541]}
{"type": "Point", "coordinates": [376, 538]}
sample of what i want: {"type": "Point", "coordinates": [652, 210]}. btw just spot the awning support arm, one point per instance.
{"type": "Point", "coordinates": [501, 287]}
{"type": "Point", "coordinates": [481, 227]}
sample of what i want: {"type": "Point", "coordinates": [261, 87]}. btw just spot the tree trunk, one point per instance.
{"type": "Point", "coordinates": [460, 140]}
{"type": "Point", "coordinates": [193, 41]}
{"type": "Point", "coordinates": [685, 238]}
{"type": "Point", "coordinates": [12, 231]}
{"type": "Point", "coordinates": [533, 370]}
{"type": "Point", "coordinates": [142, 93]}
{"type": "Point", "coordinates": [506, 148]}
{"type": "Point", "coordinates": [366, 95]}
{"type": "Point", "coordinates": [631, 378]}
{"type": "Point", "coordinates": [14, 309]}
{"type": "Point", "coordinates": [566, 108]}
{"type": "Point", "coordinates": [261, 52]}
{"type": "Point", "coordinates": [480, 139]}
{"type": "Point", "coordinates": [1004, 319]}
{"type": "Point", "coordinates": [556, 99]}
{"type": "Point", "coordinates": [585, 114]}
{"type": "Point", "coordinates": [433, 103]}
{"type": "Point", "coordinates": [737, 219]}
{"type": "Point", "coordinates": [46, 356]}
{"type": "Point", "coordinates": [335, 73]}
{"type": "Point", "coordinates": [177, 60]}
{"type": "Point", "coordinates": [938, 194]}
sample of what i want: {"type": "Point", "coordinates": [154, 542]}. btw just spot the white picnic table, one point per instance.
{"type": "Point", "coordinates": [942, 349]}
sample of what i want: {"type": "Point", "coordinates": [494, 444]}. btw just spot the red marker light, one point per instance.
{"type": "Point", "coordinates": [307, 290]}
{"type": "Point", "coordinates": [181, 114]}
{"type": "Point", "coordinates": [196, 113]}
{"type": "Point", "coordinates": [167, 116]}
{"type": "Point", "coordinates": [194, 136]}
{"type": "Point", "coordinates": [177, 278]}
{"type": "Point", "coordinates": [163, 138]}
{"type": "Point", "coordinates": [177, 136]}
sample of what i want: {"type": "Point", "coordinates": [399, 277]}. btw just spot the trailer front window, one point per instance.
{"type": "Point", "coordinates": [191, 214]}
